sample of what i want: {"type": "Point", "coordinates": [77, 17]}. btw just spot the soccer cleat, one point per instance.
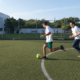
{"type": "Point", "coordinates": [44, 57]}
{"type": "Point", "coordinates": [62, 47]}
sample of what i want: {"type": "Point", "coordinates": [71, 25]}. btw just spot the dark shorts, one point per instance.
{"type": "Point", "coordinates": [49, 44]}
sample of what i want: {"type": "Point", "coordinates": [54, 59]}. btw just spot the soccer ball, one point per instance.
{"type": "Point", "coordinates": [38, 56]}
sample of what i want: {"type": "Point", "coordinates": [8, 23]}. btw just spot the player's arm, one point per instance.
{"type": "Point", "coordinates": [71, 36]}
{"type": "Point", "coordinates": [77, 34]}
{"type": "Point", "coordinates": [77, 30]}
{"type": "Point", "coordinates": [52, 34]}
{"type": "Point", "coordinates": [45, 34]}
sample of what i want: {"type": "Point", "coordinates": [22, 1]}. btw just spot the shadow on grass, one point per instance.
{"type": "Point", "coordinates": [63, 59]}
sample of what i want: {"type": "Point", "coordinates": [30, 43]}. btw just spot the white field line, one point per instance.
{"type": "Point", "coordinates": [43, 67]}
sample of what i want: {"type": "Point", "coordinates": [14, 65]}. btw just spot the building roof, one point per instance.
{"type": "Point", "coordinates": [4, 15]}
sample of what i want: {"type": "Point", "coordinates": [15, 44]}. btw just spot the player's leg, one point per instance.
{"type": "Point", "coordinates": [78, 50]}
{"type": "Point", "coordinates": [54, 49]}
{"type": "Point", "coordinates": [76, 44]}
{"type": "Point", "coordinates": [44, 50]}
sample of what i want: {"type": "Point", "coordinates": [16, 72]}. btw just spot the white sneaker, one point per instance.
{"type": "Point", "coordinates": [79, 56]}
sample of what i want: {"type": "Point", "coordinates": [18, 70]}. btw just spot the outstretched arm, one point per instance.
{"type": "Point", "coordinates": [71, 36]}
{"type": "Point", "coordinates": [52, 34]}
{"type": "Point", "coordinates": [45, 34]}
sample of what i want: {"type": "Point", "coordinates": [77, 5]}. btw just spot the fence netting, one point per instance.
{"type": "Point", "coordinates": [32, 29]}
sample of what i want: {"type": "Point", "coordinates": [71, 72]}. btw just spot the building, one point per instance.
{"type": "Point", "coordinates": [2, 21]}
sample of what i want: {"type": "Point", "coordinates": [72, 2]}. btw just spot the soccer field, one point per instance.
{"type": "Point", "coordinates": [18, 61]}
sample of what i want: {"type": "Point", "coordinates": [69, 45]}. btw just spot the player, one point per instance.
{"type": "Point", "coordinates": [49, 40]}
{"type": "Point", "coordinates": [76, 35]}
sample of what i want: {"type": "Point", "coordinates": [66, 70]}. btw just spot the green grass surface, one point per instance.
{"type": "Point", "coordinates": [20, 36]}
{"type": "Point", "coordinates": [31, 36]}
{"type": "Point", "coordinates": [18, 61]}
{"type": "Point", "coordinates": [64, 65]}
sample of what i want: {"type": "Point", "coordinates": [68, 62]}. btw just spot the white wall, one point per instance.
{"type": "Point", "coordinates": [58, 30]}
{"type": "Point", "coordinates": [41, 30]}
{"type": "Point", "coordinates": [2, 20]}
{"type": "Point", "coordinates": [24, 30]}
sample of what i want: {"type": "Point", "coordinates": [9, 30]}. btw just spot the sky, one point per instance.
{"type": "Point", "coordinates": [40, 9]}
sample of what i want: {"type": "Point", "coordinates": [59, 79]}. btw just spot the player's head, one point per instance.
{"type": "Point", "coordinates": [72, 24]}
{"type": "Point", "coordinates": [44, 24]}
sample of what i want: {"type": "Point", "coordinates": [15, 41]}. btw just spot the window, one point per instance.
{"type": "Point", "coordinates": [1, 29]}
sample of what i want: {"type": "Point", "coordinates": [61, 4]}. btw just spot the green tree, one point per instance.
{"type": "Point", "coordinates": [11, 23]}
{"type": "Point", "coordinates": [21, 22]}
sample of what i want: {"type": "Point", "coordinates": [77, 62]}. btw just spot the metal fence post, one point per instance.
{"type": "Point", "coordinates": [54, 27]}
{"type": "Point", "coordinates": [19, 27]}
{"type": "Point", "coordinates": [3, 28]}
{"type": "Point", "coordinates": [9, 31]}
{"type": "Point", "coordinates": [14, 29]}
{"type": "Point", "coordinates": [64, 28]}
{"type": "Point", "coordinates": [36, 28]}
{"type": "Point", "coordinates": [74, 19]}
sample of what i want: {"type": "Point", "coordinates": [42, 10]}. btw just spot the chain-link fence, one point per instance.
{"type": "Point", "coordinates": [32, 29]}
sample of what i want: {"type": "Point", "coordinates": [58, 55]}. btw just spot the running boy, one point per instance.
{"type": "Point", "coordinates": [49, 40]}
{"type": "Point", "coordinates": [76, 35]}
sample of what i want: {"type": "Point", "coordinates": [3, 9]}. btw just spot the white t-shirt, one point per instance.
{"type": "Point", "coordinates": [49, 37]}
{"type": "Point", "coordinates": [75, 31]}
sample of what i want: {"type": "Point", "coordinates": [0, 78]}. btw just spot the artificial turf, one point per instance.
{"type": "Point", "coordinates": [18, 61]}
{"type": "Point", "coordinates": [64, 65]}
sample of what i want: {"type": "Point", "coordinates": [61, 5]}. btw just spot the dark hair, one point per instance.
{"type": "Point", "coordinates": [73, 22]}
{"type": "Point", "coordinates": [45, 22]}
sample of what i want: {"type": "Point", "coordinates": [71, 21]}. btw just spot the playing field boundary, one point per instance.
{"type": "Point", "coordinates": [43, 66]}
